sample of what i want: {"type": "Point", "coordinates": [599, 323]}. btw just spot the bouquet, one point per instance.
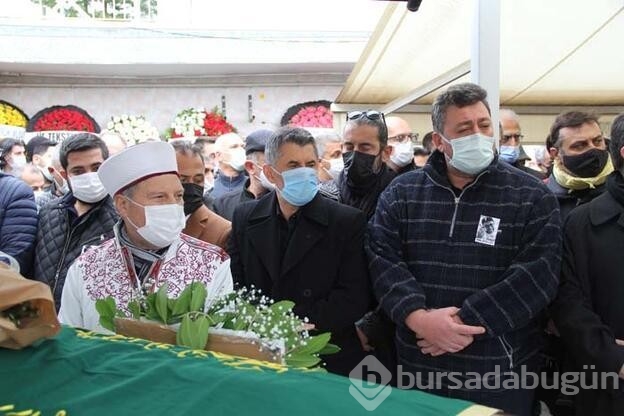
{"type": "Point", "coordinates": [309, 114]}
{"type": "Point", "coordinates": [194, 122]}
{"type": "Point", "coordinates": [243, 314]}
{"type": "Point", "coordinates": [133, 129]}
{"type": "Point", "coordinates": [10, 115]}
{"type": "Point", "coordinates": [64, 118]}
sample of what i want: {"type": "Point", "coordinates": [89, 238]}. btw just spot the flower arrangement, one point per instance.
{"type": "Point", "coordinates": [243, 312]}
{"type": "Point", "coordinates": [193, 122]}
{"type": "Point", "coordinates": [133, 129]}
{"type": "Point", "coordinates": [63, 118]}
{"type": "Point", "coordinates": [309, 114]}
{"type": "Point", "coordinates": [11, 115]}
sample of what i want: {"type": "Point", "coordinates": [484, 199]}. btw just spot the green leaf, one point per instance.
{"type": "Point", "coordinates": [183, 302]}
{"type": "Point", "coordinates": [198, 296]}
{"type": "Point", "coordinates": [106, 308]}
{"type": "Point", "coordinates": [135, 308]}
{"type": "Point", "coordinates": [302, 360]}
{"type": "Point", "coordinates": [193, 333]}
{"type": "Point", "coordinates": [314, 344]}
{"type": "Point", "coordinates": [329, 349]}
{"type": "Point", "coordinates": [162, 304]}
{"type": "Point", "coordinates": [282, 307]}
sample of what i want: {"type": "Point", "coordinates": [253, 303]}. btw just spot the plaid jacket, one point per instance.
{"type": "Point", "coordinates": [493, 250]}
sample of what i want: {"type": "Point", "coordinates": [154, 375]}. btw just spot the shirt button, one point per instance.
{"type": "Point", "coordinates": [307, 293]}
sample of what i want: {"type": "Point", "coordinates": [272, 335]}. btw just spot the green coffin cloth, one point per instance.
{"type": "Point", "coordinates": [83, 373]}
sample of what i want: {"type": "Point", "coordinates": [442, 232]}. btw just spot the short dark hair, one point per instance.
{"type": "Point", "coordinates": [460, 95]}
{"type": "Point", "coordinates": [427, 141]}
{"type": "Point", "coordinates": [79, 143]}
{"type": "Point", "coordinates": [186, 147]}
{"type": "Point", "coordinates": [617, 141]}
{"type": "Point", "coordinates": [568, 119]}
{"type": "Point", "coordinates": [6, 146]}
{"type": "Point", "coordinates": [37, 145]}
{"type": "Point", "coordinates": [379, 123]}
{"type": "Point", "coordinates": [296, 135]}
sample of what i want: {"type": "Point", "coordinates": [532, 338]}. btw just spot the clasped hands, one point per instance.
{"type": "Point", "coordinates": [440, 331]}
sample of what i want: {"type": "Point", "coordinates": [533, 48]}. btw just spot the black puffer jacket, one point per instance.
{"type": "Point", "coordinates": [61, 238]}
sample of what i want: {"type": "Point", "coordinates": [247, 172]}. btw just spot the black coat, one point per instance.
{"type": "Point", "coordinates": [323, 270]}
{"type": "Point", "coordinates": [589, 308]}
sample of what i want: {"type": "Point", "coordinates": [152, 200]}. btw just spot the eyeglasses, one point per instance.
{"type": "Point", "coordinates": [370, 114]}
{"type": "Point", "coordinates": [514, 136]}
{"type": "Point", "coordinates": [404, 138]}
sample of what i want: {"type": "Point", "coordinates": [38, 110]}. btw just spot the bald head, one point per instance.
{"type": "Point", "coordinates": [397, 126]}
{"type": "Point", "coordinates": [114, 142]}
{"type": "Point", "coordinates": [33, 177]}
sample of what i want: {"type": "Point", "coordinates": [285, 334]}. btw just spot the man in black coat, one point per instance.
{"type": "Point", "coordinates": [588, 311]}
{"type": "Point", "coordinates": [295, 244]}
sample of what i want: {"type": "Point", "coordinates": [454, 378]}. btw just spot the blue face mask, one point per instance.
{"type": "Point", "coordinates": [509, 154]}
{"type": "Point", "coordinates": [471, 154]}
{"type": "Point", "coordinates": [300, 185]}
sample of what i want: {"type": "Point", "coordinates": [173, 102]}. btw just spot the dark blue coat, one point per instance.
{"type": "Point", "coordinates": [18, 221]}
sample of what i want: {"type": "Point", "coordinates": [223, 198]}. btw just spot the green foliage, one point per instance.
{"type": "Point", "coordinates": [244, 310]}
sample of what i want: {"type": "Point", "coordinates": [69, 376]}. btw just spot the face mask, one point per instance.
{"type": "Point", "coordinates": [163, 223]}
{"type": "Point", "coordinates": [193, 197]}
{"type": "Point", "coordinates": [62, 189]}
{"type": "Point", "coordinates": [39, 194]}
{"type": "Point", "coordinates": [265, 182]}
{"type": "Point", "coordinates": [87, 187]}
{"type": "Point", "coordinates": [402, 154]}
{"type": "Point", "coordinates": [18, 162]}
{"type": "Point", "coordinates": [471, 154]}
{"type": "Point", "coordinates": [237, 159]}
{"type": "Point", "coordinates": [359, 169]}
{"type": "Point", "coordinates": [509, 154]}
{"type": "Point", "coordinates": [588, 164]}
{"type": "Point", "coordinates": [300, 186]}
{"type": "Point", "coordinates": [336, 166]}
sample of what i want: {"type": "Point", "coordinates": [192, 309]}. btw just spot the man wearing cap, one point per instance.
{"type": "Point", "coordinates": [82, 217]}
{"type": "Point", "coordinates": [256, 184]}
{"type": "Point", "coordinates": [148, 249]}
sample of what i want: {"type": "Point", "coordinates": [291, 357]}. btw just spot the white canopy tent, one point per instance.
{"type": "Point", "coordinates": [552, 54]}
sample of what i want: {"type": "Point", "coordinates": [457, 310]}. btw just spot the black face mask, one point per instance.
{"type": "Point", "coordinates": [588, 164]}
{"type": "Point", "coordinates": [193, 197]}
{"type": "Point", "coordinates": [359, 168]}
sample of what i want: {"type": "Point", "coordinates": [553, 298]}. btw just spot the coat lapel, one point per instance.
{"type": "Point", "coordinates": [264, 235]}
{"type": "Point", "coordinates": [310, 229]}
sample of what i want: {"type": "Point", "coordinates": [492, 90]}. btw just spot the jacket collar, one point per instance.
{"type": "Point", "coordinates": [604, 208]}
{"type": "Point", "coordinates": [314, 210]}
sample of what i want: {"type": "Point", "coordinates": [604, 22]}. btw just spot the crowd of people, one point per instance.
{"type": "Point", "coordinates": [450, 257]}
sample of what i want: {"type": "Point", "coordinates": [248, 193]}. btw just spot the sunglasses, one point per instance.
{"type": "Point", "coordinates": [370, 114]}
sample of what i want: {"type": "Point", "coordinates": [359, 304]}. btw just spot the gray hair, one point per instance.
{"type": "Point", "coordinates": [323, 136]}
{"type": "Point", "coordinates": [296, 135]}
{"type": "Point", "coordinates": [617, 142]}
{"type": "Point", "coordinates": [510, 114]}
{"type": "Point", "coordinates": [460, 95]}
{"type": "Point", "coordinates": [187, 147]}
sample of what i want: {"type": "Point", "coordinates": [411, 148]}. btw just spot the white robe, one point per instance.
{"type": "Point", "coordinates": [102, 271]}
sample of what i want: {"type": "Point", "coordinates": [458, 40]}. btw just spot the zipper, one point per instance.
{"type": "Point", "coordinates": [455, 198]}
{"type": "Point", "coordinates": [508, 351]}
{"type": "Point", "coordinates": [68, 236]}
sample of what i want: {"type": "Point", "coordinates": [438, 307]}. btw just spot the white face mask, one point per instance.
{"type": "Point", "coordinates": [263, 179]}
{"type": "Point", "coordinates": [472, 154]}
{"type": "Point", "coordinates": [18, 162]}
{"type": "Point", "coordinates": [402, 153]}
{"type": "Point", "coordinates": [237, 159]}
{"type": "Point", "coordinates": [335, 167]}
{"type": "Point", "coordinates": [87, 187]}
{"type": "Point", "coordinates": [163, 223]}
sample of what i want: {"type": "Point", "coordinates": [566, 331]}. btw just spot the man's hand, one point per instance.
{"type": "Point", "coordinates": [363, 340]}
{"type": "Point", "coordinates": [441, 330]}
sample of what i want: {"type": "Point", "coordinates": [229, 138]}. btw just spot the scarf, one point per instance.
{"type": "Point", "coordinates": [574, 183]}
{"type": "Point", "coordinates": [143, 259]}
{"type": "Point", "coordinates": [365, 198]}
